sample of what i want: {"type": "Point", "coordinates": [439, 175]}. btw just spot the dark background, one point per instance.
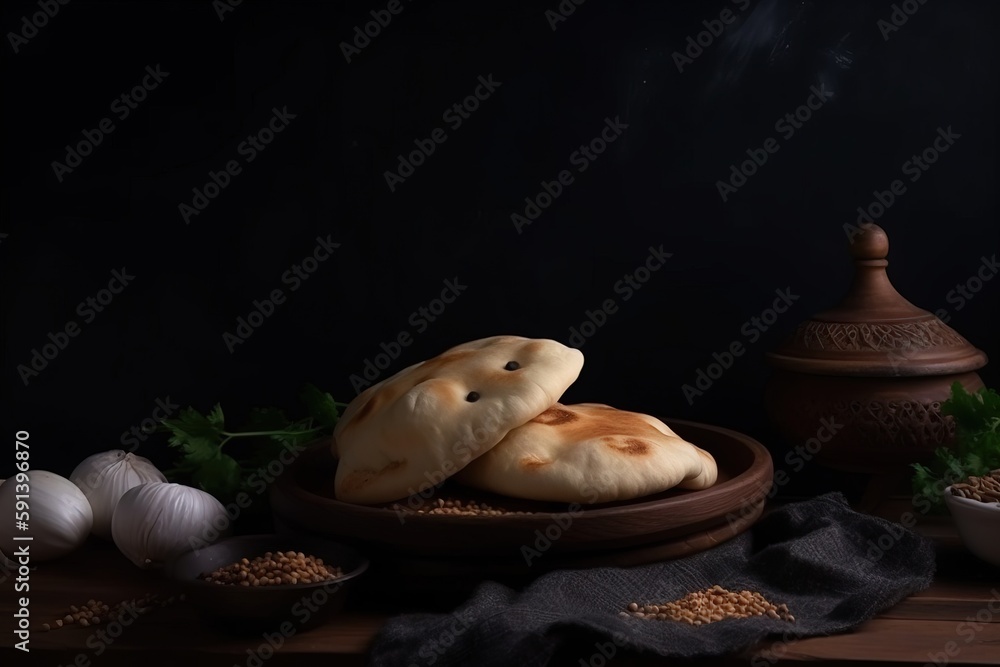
{"type": "Point", "coordinates": [323, 175]}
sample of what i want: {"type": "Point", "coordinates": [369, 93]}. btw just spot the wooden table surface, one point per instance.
{"type": "Point", "coordinates": [920, 630]}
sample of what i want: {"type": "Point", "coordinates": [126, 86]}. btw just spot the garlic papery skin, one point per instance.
{"type": "Point", "coordinates": [157, 521]}
{"type": "Point", "coordinates": [105, 477]}
{"type": "Point", "coordinates": [58, 515]}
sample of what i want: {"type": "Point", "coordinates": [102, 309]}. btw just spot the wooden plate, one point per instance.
{"type": "Point", "coordinates": [666, 525]}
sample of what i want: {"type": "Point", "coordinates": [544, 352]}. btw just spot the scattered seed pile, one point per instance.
{"type": "Point", "coordinates": [273, 568]}
{"type": "Point", "coordinates": [985, 489]}
{"type": "Point", "coordinates": [455, 507]}
{"type": "Point", "coordinates": [96, 612]}
{"type": "Point", "coordinates": [710, 605]}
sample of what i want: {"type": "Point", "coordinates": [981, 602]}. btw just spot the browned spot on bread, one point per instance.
{"type": "Point", "coordinates": [532, 462]}
{"type": "Point", "coordinates": [390, 392]}
{"type": "Point", "coordinates": [534, 347]}
{"type": "Point", "coordinates": [359, 479]}
{"type": "Point", "coordinates": [591, 423]}
{"type": "Point", "coordinates": [555, 417]}
{"type": "Point", "coordinates": [632, 447]}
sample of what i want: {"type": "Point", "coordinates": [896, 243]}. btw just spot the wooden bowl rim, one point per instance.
{"type": "Point", "coordinates": [311, 542]}
{"type": "Point", "coordinates": [757, 475]}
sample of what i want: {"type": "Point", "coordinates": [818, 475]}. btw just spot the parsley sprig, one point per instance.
{"type": "Point", "coordinates": [201, 439]}
{"type": "Point", "coordinates": [977, 444]}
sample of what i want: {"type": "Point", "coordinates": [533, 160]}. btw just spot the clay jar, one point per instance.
{"type": "Point", "coordinates": [863, 383]}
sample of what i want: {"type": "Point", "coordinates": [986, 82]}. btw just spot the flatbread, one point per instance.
{"type": "Point", "coordinates": [417, 428]}
{"type": "Point", "coordinates": [590, 453]}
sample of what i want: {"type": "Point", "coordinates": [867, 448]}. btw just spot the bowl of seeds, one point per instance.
{"type": "Point", "coordinates": [272, 581]}
{"type": "Point", "coordinates": [975, 506]}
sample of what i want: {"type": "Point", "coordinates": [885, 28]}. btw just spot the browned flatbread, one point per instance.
{"type": "Point", "coordinates": [422, 425]}
{"type": "Point", "coordinates": [590, 453]}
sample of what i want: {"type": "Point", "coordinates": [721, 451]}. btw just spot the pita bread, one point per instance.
{"type": "Point", "coordinates": [590, 453]}
{"type": "Point", "coordinates": [424, 424]}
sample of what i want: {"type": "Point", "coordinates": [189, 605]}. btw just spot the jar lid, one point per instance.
{"type": "Point", "coordinates": [874, 331]}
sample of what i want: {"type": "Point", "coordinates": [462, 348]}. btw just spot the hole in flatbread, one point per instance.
{"type": "Point", "coordinates": [512, 366]}
{"type": "Point", "coordinates": [472, 397]}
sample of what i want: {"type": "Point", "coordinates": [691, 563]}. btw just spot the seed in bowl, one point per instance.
{"type": "Point", "coordinates": [985, 489]}
{"type": "Point", "coordinates": [274, 568]}
{"type": "Point", "coordinates": [455, 508]}
{"type": "Point", "coordinates": [711, 605]}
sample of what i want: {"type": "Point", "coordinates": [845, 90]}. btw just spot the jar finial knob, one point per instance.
{"type": "Point", "coordinates": [871, 244]}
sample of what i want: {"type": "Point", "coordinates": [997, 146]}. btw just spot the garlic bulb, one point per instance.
{"type": "Point", "coordinates": [105, 477]}
{"type": "Point", "coordinates": [57, 514]}
{"type": "Point", "coordinates": [156, 521]}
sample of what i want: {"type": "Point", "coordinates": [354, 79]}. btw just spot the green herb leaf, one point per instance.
{"type": "Point", "coordinates": [977, 443]}
{"type": "Point", "coordinates": [321, 406]}
{"type": "Point", "coordinates": [266, 419]}
{"type": "Point", "coordinates": [220, 476]}
{"type": "Point", "coordinates": [267, 433]}
{"type": "Point", "coordinates": [199, 437]}
{"type": "Point", "coordinates": [215, 417]}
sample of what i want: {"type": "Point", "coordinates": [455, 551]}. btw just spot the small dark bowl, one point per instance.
{"type": "Point", "coordinates": [253, 608]}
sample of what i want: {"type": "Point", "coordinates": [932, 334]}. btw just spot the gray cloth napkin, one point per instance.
{"type": "Point", "coordinates": [835, 568]}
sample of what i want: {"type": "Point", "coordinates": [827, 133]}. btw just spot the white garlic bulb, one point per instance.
{"type": "Point", "coordinates": [157, 521]}
{"type": "Point", "coordinates": [55, 512]}
{"type": "Point", "coordinates": [105, 477]}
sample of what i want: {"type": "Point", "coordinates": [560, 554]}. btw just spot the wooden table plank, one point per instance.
{"type": "Point", "coordinates": [948, 600]}
{"type": "Point", "coordinates": [892, 640]}
{"type": "Point", "coordinates": [914, 632]}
